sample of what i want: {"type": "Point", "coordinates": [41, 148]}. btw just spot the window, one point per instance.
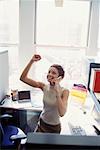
{"type": "Point", "coordinates": [9, 21]}
{"type": "Point", "coordinates": [9, 34]}
{"type": "Point", "coordinates": [61, 37]}
{"type": "Point", "coordinates": [62, 26]}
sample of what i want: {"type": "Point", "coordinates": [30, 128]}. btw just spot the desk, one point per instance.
{"type": "Point", "coordinates": [25, 115]}
{"type": "Point", "coordinates": [76, 116]}
{"type": "Point", "coordinates": [73, 115]}
{"type": "Point", "coordinates": [35, 104]}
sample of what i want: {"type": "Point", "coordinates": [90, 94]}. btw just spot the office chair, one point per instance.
{"type": "Point", "coordinates": [11, 137]}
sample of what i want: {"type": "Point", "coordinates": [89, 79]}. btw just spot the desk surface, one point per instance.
{"type": "Point", "coordinates": [76, 116]}
{"type": "Point", "coordinates": [75, 113]}
{"type": "Point", "coordinates": [33, 105]}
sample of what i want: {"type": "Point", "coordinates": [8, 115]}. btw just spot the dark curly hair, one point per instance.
{"type": "Point", "coordinates": [60, 70]}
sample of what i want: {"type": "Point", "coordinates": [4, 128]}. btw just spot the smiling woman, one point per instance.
{"type": "Point", "coordinates": [55, 97]}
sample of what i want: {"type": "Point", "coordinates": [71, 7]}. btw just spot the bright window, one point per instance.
{"type": "Point", "coordinates": [9, 21]}
{"type": "Point", "coordinates": [62, 26]}
{"type": "Point", "coordinates": [61, 35]}
{"type": "Point", "coordinates": [9, 35]}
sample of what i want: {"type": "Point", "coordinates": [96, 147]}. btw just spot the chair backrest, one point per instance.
{"type": "Point", "coordinates": [7, 131]}
{"type": "Point", "coordinates": [1, 134]}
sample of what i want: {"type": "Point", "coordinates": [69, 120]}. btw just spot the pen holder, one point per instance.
{"type": "Point", "coordinates": [14, 95]}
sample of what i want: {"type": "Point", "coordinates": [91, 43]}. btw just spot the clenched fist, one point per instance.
{"type": "Point", "coordinates": [36, 57]}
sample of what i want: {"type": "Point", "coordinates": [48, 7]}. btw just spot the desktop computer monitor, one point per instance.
{"type": "Point", "coordinates": [95, 96]}
{"type": "Point", "coordinates": [4, 74]}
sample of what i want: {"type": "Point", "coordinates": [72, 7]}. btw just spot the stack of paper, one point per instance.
{"type": "Point", "coordinates": [79, 91]}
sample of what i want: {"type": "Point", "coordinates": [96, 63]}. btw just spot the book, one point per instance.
{"type": "Point", "coordinates": [79, 92]}
{"type": "Point", "coordinates": [79, 88]}
{"type": "Point", "coordinates": [95, 80]}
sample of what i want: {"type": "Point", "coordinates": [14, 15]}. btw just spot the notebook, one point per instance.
{"type": "Point", "coordinates": [24, 96]}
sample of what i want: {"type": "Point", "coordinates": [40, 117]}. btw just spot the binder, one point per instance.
{"type": "Point", "coordinates": [95, 80]}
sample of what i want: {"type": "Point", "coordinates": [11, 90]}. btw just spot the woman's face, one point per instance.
{"type": "Point", "coordinates": [52, 73]}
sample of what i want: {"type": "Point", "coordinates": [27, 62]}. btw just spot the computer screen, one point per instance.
{"type": "Point", "coordinates": [4, 74]}
{"type": "Point", "coordinates": [24, 95]}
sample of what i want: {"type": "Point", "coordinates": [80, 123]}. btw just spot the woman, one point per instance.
{"type": "Point", "coordinates": [55, 97]}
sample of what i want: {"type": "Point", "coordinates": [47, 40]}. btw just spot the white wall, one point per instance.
{"type": "Point", "coordinates": [4, 74]}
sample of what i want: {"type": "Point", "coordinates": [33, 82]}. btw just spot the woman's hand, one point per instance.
{"type": "Point", "coordinates": [56, 81]}
{"type": "Point", "coordinates": [36, 57]}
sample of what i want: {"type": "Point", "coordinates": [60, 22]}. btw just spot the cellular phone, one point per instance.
{"type": "Point", "coordinates": [59, 77]}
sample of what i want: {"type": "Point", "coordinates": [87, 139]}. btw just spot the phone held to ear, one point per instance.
{"type": "Point", "coordinates": [59, 78]}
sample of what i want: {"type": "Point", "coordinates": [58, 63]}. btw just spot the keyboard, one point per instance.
{"type": "Point", "coordinates": [76, 130]}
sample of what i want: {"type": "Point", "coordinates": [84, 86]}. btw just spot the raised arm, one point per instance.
{"type": "Point", "coordinates": [24, 76]}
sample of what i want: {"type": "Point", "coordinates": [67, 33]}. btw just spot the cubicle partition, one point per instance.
{"type": "Point", "coordinates": [23, 118]}
{"type": "Point", "coordinates": [47, 141]}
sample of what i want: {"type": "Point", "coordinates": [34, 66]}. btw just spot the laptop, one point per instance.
{"type": "Point", "coordinates": [24, 96]}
